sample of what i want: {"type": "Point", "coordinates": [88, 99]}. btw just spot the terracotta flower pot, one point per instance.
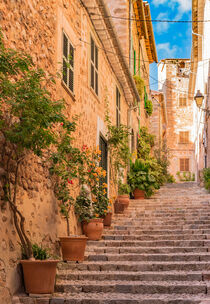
{"type": "Point", "coordinates": [108, 219]}
{"type": "Point", "coordinates": [93, 229]}
{"type": "Point", "coordinates": [123, 199]}
{"type": "Point", "coordinates": [73, 247]}
{"type": "Point", "coordinates": [138, 194]}
{"type": "Point", "coordinates": [39, 276]}
{"type": "Point", "coordinates": [119, 207]}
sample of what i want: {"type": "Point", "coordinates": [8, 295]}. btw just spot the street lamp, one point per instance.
{"type": "Point", "coordinates": [199, 101]}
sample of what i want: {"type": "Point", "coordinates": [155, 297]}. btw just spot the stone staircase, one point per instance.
{"type": "Point", "coordinates": [158, 252]}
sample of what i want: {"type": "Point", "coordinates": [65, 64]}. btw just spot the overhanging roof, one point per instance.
{"type": "Point", "coordinates": [145, 28]}
{"type": "Point", "coordinates": [103, 25]}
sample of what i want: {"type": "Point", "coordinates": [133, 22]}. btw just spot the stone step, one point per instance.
{"type": "Point", "coordinates": [120, 226]}
{"type": "Point", "coordinates": [135, 287]}
{"type": "Point", "coordinates": [136, 266]}
{"type": "Point", "coordinates": [115, 298]}
{"type": "Point", "coordinates": [157, 237]}
{"type": "Point", "coordinates": [159, 243]}
{"type": "Point", "coordinates": [149, 233]}
{"type": "Point", "coordinates": [150, 257]}
{"type": "Point", "coordinates": [136, 222]}
{"type": "Point", "coordinates": [146, 250]}
{"type": "Point", "coordinates": [132, 276]}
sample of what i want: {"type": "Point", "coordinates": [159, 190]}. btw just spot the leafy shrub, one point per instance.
{"type": "Point", "coordinates": [139, 84]}
{"type": "Point", "coordinates": [39, 253]}
{"type": "Point", "coordinates": [123, 189]}
{"type": "Point", "coordinates": [149, 107]}
{"type": "Point", "coordinates": [186, 176]}
{"type": "Point", "coordinates": [206, 176]}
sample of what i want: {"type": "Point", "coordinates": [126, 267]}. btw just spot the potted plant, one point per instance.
{"type": "Point", "coordinates": [122, 200]}
{"type": "Point", "coordinates": [142, 180]}
{"type": "Point", "coordinates": [117, 138]}
{"type": "Point", "coordinates": [92, 203]}
{"type": "Point", "coordinates": [108, 214]}
{"type": "Point", "coordinates": [28, 119]}
{"type": "Point", "coordinates": [43, 267]}
{"type": "Point", "coordinates": [64, 168]}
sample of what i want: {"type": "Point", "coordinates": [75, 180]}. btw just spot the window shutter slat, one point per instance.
{"type": "Point", "coordinates": [92, 50]}
{"type": "Point", "coordinates": [96, 82]}
{"type": "Point", "coordinates": [92, 76]}
{"type": "Point", "coordinates": [71, 54]}
{"type": "Point", "coordinates": [71, 80]}
{"type": "Point", "coordinates": [65, 46]}
{"type": "Point", "coordinates": [65, 71]}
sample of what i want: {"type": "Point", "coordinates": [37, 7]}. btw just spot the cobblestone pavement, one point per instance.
{"type": "Point", "coordinates": [158, 252]}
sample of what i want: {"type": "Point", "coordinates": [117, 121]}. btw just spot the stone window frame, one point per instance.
{"type": "Point", "coordinates": [94, 66]}
{"type": "Point", "coordinates": [184, 137]}
{"type": "Point", "coordinates": [67, 81]}
{"type": "Point", "coordinates": [118, 107]}
{"type": "Point", "coordinates": [184, 164]}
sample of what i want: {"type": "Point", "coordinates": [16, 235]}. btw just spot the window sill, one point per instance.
{"type": "Point", "coordinates": [68, 90]}
{"type": "Point", "coordinates": [94, 94]}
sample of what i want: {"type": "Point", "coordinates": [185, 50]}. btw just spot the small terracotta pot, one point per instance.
{"type": "Point", "coordinates": [93, 229]}
{"type": "Point", "coordinates": [123, 199]}
{"type": "Point", "coordinates": [39, 276]}
{"type": "Point", "coordinates": [73, 247]}
{"type": "Point", "coordinates": [119, 207]}
{"type": "Point", "coordinates": [138, 194]}
{"type": "Point", "coordinates": [108, 219]}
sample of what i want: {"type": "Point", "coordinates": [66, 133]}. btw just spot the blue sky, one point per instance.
{"type": "Point", "coordinates": [173, 40]}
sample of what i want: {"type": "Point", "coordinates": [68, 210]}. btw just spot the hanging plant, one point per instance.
{"type": "Point", "coordinates": [139, 84]}
{"type": "Point", "coordinates": [149, 107]}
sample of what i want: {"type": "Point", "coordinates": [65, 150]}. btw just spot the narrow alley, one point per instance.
{"type": "Point", "coordinates": [158, 252]}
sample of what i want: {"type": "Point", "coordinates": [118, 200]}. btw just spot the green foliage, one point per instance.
{"type": "Point", "coordinates": [139, 84]}
{"type": "Point", "coordinates": [170, 179]}
{"type": "Point", "coordinates": [39, 253]}
{"type": "Point", "coordinates": [119, 154]}
{"type": "Point", "coordinates": [123, 189]}
{"type": "Point", "coordinates": [145, 142]}
{"type": "Point", "coordinates": [141, 176]}
{"type": "Point", "coordinates": [186, 176]}
{"type": "Point", "coordinates": [206, 176]}
{"type": "Point", "coordinates": [65, 162]}
{"type": "Point", "coordinates": [149, 107]}
{"type": "Point", "coordinates": [28, 120]}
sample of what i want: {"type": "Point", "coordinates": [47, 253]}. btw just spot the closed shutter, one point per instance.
{"type": "Point", "coordinates": [68, 63]}
{"type": "Point", "coordinates": [94, 66]}
{"type": "Point", "coordinates": [184, 137]}
{"type": "Point", "coordinates": [184, 164]}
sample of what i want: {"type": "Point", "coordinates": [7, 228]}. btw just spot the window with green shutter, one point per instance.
{"type": "Point", "coordinates": [68, 63]}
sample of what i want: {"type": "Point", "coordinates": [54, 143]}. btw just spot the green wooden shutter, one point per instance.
{"type": "Point", "coordinates": [145, 97]}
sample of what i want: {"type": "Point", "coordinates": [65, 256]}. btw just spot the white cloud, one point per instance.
{"type": "Point", "coordinates": [162, 27]}
{"type": "Point", "coordinates": [166, 51]}
{"type": "Point", "coordinates": [182, 6]}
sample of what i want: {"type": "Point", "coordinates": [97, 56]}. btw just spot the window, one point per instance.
{"type": "Point", "coordinates": [182, 101]}
{"type": "Point", "coordinates": [117, 107]}
{"type": "Point", "coordinates": [68, 63]}
{"type": "Point", "coordinates": [94, 67]}
{"type": "Point", "coordinates": [184, 137]}
{"type": "Point", "coordinates": [184, 164]}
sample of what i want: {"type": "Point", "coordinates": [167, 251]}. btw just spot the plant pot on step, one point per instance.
{"type": "Point", "coordinates": [93, 229]}
{"type": "Point", "coordinates": [138, 194]}
{"type": "Point", "coordinates": [124, 199]}
{"type": "Point", "coordinates": [108, 219]}
{"type": "Point", "coordinates": [73, 248]}
{"type": "Point", "coordinates": [119, 207]}
{"type": "Point", "coordinates": [39, 276]}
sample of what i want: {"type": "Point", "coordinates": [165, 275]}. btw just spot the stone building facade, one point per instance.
{"type": "Point", "coordinates": [100, 70]}
{"type": "Point", "coordinates": [199, 80]}
{"type": "Point", "coordinates": [173, 76]}
{"type": "Point", "coordinates": [159, 120]}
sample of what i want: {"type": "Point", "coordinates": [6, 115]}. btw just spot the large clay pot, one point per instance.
{"type": "Point", "coordinates": [93, 229]}
{"type": "Point", "coordinates": [138, 194]}
{"type": "Point", "coordinates": [39, 276]}
{"type": "Point", "coordinates": [73, 248]}
{"type": "Point", "coordinates": [119, 207]}
{"type": "Point", "coordinates": [108, 219]}
{"type": "Point", "coordinates": [123, 199]}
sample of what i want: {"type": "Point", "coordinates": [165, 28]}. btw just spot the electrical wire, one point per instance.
{"type": "Point", "coordinates": [149, 20]}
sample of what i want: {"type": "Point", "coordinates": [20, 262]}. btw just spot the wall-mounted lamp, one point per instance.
{"type": "Point", "coordinates": [199, 101]}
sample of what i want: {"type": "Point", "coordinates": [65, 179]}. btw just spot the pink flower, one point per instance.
{"type": "Point", "coordinates": [61, 123]}
{"type": "Point", "coordinates": [89, 171]}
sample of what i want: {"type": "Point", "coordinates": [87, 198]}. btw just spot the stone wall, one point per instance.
{"type": "Point", "coordinates": [35, 27]}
